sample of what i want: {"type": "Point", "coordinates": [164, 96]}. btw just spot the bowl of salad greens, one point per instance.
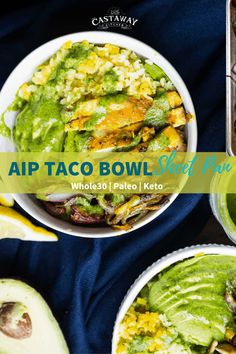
{"type": "Point", "coordinates": [95, 91]}
{"type": "Point", "coordinates": [182, 304]}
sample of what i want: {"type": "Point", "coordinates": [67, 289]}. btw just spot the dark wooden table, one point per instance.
{"type": "Point", "coordinates": [213, 233]}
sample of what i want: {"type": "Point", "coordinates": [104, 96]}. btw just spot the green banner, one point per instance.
{"type": "Point", "coordinates": [117, 172]}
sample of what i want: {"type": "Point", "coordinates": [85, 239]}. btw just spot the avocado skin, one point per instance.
{"type": "Point", "coordinates": [191, 295]}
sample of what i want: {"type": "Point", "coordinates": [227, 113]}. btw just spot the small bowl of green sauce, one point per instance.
{"type": "Point", "coordinates": [224, 205]}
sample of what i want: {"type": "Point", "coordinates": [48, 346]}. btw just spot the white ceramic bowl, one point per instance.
{"type": "Point", "coordinates": [23, 72]}
{"type": "Point", "coordinates": [158, 267]}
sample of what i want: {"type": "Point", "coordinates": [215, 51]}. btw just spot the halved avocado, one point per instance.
{"type": "Point", "coordinates": [27, 325]}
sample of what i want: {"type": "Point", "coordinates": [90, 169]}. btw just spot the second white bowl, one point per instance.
{"type": "Point", "coordinates": [158, 267]}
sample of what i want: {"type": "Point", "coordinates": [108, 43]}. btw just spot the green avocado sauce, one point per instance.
{"type": "Point", "coordinates": [77, 142]}
{"type": "Point", "coordinates": [82, 141]}
{"type": "Point", "coordinates": [39, 125]}
{"type": "Point", "coordinates": [16, 105]}
{"type": "Point", "coordinates": [4, 129]}
{"type": "Point", "coordinates": [156, 115]}
{"type": "Point", "coordinates": [159, 142]}
{"type": "Point", "coordinates": [95, 119]}
{"type": "Point", "coordinates": [70, 142]}
{"type": "Point", "coordinates": [89, 208]}
{"type": "Point", "coordinates": [231, 204]}
{"type": "Point", "coordinates": [109, 81]}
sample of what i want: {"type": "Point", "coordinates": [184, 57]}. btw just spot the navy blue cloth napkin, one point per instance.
{"type": "Point", "coordinates": [84, 280]}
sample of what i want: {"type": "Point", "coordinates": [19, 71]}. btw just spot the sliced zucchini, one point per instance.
{"type": "Point", "coordinates": [174, 99]}
{"type": "Point", "coordinates": [176, 117]}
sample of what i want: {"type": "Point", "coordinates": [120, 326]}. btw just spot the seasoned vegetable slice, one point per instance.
{"type": "Point", "coordinates": [169, 139]}
{"type": "Point", "coordinates": [163, 111]}
{"type": "Point", "coordinates": [176, 117]}
{"type": "Point", "coordinates": [115, 115]}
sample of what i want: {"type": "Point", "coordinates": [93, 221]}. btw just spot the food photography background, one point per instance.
{"type": "Point", "coordinates": [85, 280]}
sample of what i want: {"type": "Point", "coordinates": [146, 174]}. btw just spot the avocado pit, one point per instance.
{"type": "Point", "coordinates": [15, 321]}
